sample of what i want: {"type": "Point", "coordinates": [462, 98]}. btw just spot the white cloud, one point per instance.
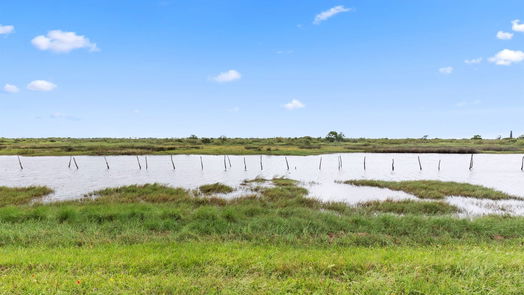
{"type": "Point", "coordinates": [62, 42]}
{"type": "Point", "coordinates": [294, 104]}
{"type": "Point", "coordinates": [466, 103]}
{"type": "Point", "coordinates": [507, 57]}
{"type": "Point", "coordinates": [446, 70]}
{"type": "Point", "coordinates": [504, 35]}
{"type": "Point", "coordinates": [9, 88]}
{"type": "Point", "coordinates": [324, 15]}
{"type": "Point", "coordinates": [6, 30]}
{"type": "Point", "coordinates": [473, 61]}
{"type": "Point", "coordinates": [41, 85]}
{"type": "Point", "coordinates": [59, 115]}
{"type": "Point", "coordinates": [228, 76]}
{"type": "Point", "coordinates": [517, 26]}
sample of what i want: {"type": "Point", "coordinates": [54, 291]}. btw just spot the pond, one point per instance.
{"type": "Point", "coordinates": [317, 173]}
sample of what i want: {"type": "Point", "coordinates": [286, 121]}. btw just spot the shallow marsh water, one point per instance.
{"type": "Point", "coordinates": [501, 172]}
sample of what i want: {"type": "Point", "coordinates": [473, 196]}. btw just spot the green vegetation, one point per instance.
{"type": "Point", "coordinates": [433, 189]}
{"type": "Point", "coordinates": [22, 195]}
{"type": "Point", "coordinates": [215, 188]}
{"type": "Point", "coordinates": [409, 207]}
{"type": "Point", "coordinates": [152, 239]}
{"type": "Point", "coordinates": [333, 143]}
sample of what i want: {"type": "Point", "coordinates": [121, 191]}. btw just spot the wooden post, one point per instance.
{"type": "Point", "coordinates": [261, 166]}
{"type": "Point", "coordinates": [471, 162]}
{"type": "Point", "coordinates": [107, 164]}
{"type": "Point", "coordinates": [392, 164]}
{"type": "Point", "coordinates": [147, 166]}
{"type": "Point", "coordinates": [201, 163]}
{"type": "Point", "coordinates": [287, 164]}
{"type": "Point", "coordinates": [340, 160]}
{"type": "Point", "coordinates": [225, 165]}
{"type": "Point", "coordinates": [419, 164]}
{"type": "Point", "coordinates": [364, 163]}
{"type": "Point", "coordinates": [522, 165]}
{"type": "Point", "coordinates": [139, 165]}
{"type": "Point", "coordinates": [70, 159]}
{"type": "Point", "coordinates": [74, 160]}
{"type": "Point", "coordinates": [173, 163]}
{"type": "Point", "coordinates": [438, 165]}
{"type": "Point", "coordinates": [320, 164]}
{"type": "Point", "coordinates": [229, 160]}
{"type": "Point", "coordinates": [245, 165]}
{"type": "Point", "coordinates": [20, 163]}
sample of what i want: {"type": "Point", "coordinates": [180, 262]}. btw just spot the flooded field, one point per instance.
{"type": "Point", "coordinates": [319, 174]}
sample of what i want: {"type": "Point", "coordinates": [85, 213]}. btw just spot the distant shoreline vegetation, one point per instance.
{"type": "Point", "coordinates": [334, 142]}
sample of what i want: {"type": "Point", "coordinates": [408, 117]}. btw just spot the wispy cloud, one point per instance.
{"type": "Point", "coordinates": [325, 15]}
{"type": "Point", "coordinates": [507, 57]}
{"type": "Point", "coordinates": [58, 115]}
{"type": "Point", "coordinates": [466, 103]}
{"type": "Point", "coordinates": [504, 35]}
{"type": "Point", "coordinates": [473, 61]}
{"type": "Point", "coordinates": [62, 42]}
{"type": "Point", "coordinates": [446, 70]}
{"type": "Point", "coordinates": [294, 104]}
{"type": "Point", "coordinates": [9, 88]}
{"type": "Point", "coordinates": [41, 85]}
{"type": "Point", "coordinates": [228, 76]}
{"type": "Point", "coordinates": [517, 26]}
{"type": "Point", "coordinates": [6, 30]}
{"type": "Point", "coordinates": [284, 52]}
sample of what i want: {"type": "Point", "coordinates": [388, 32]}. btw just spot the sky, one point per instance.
{"type": "Point", "coordinates": [251, 68]}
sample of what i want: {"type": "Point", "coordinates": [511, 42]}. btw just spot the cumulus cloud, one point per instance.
{"type": "Point", "coordinates": [228, 76]}
{"type": "Point", "coordinates": [6, 30]}
{"type": "Point", "coordinates": [62, 42]}
{"type": "Point", "coordinates": [294, 104]}
{"type": "Point", "coordinates": [325, 15]}
{"type": "Point", "coordinates": [517, 26]}
{"type": "Point", "coordinates": [446, 70]}
{"type": "Point", "coordinates": [473, 61]}
{"type": "Point", "coordinates": [9, 88]}
{"type": "Point", "coordinates": [507, 57]}
{"type": "Point", "coordinates": [41, 85]}
{"type": "Point", "coordinates": [504, 35]}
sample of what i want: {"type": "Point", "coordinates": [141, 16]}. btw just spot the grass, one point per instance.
{"type": "Point", "coordinates": [249, 146]}
{"type": "Point", "coordinates": [153, 239]}
{"type": "Point", "coordinates": [246, 268]}
{"type": "Point", "coordinates": [22, 195]}
{"type": "Point", "coordinates": [433, 189]}
{"type": "Point", "coordinates": [216, 188]}
{"type": "Point", "coordinates": [409, 207]}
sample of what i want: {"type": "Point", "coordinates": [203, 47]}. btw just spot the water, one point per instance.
{"type": "Point", "coordinates": [501, 172]}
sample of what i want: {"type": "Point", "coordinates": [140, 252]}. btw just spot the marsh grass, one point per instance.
{"type": "Point", "coordinates": [215, 188]}
{"type": "Point", "coordinates": [249, 146]}
{"type": "Point", "coordinates": [433, 189]}
{"type": "Point", "coordinates": [409, 207]}
{"type": "Point", "coordinates": [22, 195]}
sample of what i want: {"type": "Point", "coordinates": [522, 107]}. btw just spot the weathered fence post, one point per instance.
{"type": "Point", "coordinates": [107, 164]}
{"type": "Point", "coordinates": [419, 164]}
{"type": "Point", "coordinates": [471, 162]}
{"type": "Point", "coordinates": [139, 165]}
{"type": "Point", "coordinates": [20, 163]}
{"type": "Point", "coordinates": [173, 163]}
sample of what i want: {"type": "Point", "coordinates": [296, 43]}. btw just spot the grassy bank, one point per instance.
{"type": "Point", "coordinates": [153, 239]}
{"type": "Point", "coordinates": [434, 189]}
{"type": "Point", "coordinates": [250, 146]}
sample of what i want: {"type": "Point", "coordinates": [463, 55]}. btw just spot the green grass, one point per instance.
{"type": "Point", "coordinates": [249, 146]}
{"type": "Point", "coordinates": [215, 188]}
{"type": "Point", "coordinates": [409, 207]}
{"type": "Point", "coordinates": [246, 268]}
{"type": "Point", "coordinates": [433, 189]}
{"type": "Point", "coordinates": [153, 239]}
{"type": "Point", "coordinates": [22, 195]}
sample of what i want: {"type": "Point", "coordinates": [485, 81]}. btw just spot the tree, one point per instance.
{"type": "Point", "coordinates": [333, 136]}
{"type": "Point", "coordinates": [476, 137]}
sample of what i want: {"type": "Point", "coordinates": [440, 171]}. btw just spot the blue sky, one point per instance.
{"type": "Point", "coordinates": [242, 68]}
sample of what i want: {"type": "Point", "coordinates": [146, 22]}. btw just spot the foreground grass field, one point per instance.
{"type": "Point", "coordinates": [157, 240]}
{"type": "Point", "coordinates": [250, 146]}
